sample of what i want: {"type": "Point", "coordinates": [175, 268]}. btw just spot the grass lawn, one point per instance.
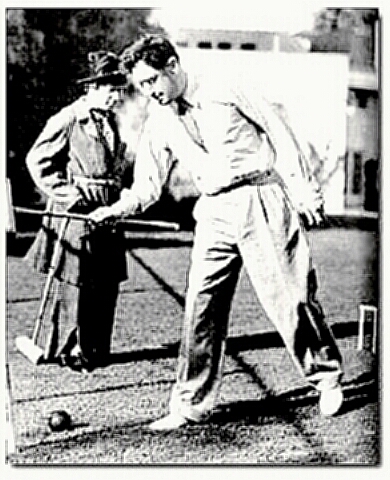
{"type": "Point", "coordinates": [266, 414]}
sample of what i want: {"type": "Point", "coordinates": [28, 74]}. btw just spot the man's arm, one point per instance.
{"type": "Point", "coordinates": [48, 157]}
{"type": "Point", "coordinates": [152, 165]}
{"type": "Point", "coordinates": [289, 150]}
{"type": "Point", "coordinates": [261, 112]}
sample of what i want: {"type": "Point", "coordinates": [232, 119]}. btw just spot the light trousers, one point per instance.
{"type": "Point", "coordinates": [255, 226]}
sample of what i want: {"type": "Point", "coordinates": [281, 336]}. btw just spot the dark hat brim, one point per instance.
{"type": "Point", "coordinates": [116, 77]}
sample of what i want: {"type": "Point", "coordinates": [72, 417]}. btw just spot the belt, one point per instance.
{"type": "Point", "coordinates": [103, 191]}
{"type": "Point", "coordinates": [265, 177]}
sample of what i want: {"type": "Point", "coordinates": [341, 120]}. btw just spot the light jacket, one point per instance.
{"type": "Point", "coordinates": [233, 133]}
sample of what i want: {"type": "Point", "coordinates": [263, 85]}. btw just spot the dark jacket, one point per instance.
{"type": "Point", "coordinates": [70, 150]}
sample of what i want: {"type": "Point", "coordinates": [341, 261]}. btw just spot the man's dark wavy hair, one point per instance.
{"type": "Point", "coordinates": [154, 50]}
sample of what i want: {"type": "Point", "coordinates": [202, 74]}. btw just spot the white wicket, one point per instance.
{"type": "Point", "coordinates": [364, 312]}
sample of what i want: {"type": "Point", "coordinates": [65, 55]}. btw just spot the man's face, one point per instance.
{"type": "Point", "coordinates": [104, 97]}
{"type": "Point", "coordinates": [162, 85]}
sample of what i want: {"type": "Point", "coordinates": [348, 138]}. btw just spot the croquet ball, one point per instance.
{"type": "Point", "coordinates": [59, 420]}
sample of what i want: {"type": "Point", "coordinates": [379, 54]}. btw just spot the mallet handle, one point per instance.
{"type": "Point", "coordinates": [76, 216]}
{"type": "Point", "coordinates": [50, 277]}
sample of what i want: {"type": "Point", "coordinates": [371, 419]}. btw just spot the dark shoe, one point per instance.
{"type": "Point", "coordinates": [76, 363]}
{"type": "Point", "coordinates": [98, 360]}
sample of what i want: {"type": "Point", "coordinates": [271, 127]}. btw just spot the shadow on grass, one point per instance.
{"type": "Point", "coordinates": [221, 427]}
{"type": "Point", "coordinates": [235, 345]}
{"type": "Point", "coordinates": [241, 343]}
{"type": "Point", "coordinates": [358, 392]}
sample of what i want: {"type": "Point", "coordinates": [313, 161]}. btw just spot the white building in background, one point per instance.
{"type": "Point", "coordinates": [245, 40]}
{"type": "Point", "coordinates": [363, 146]}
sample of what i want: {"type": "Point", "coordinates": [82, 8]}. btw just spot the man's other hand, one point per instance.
{"type": "Point", "coordinates": [311, 204]}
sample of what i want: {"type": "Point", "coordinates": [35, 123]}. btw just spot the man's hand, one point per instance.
{"type": "Point", "coordinates": [102, 214]}
{"type": "Point", "coordinates": [92, 190]}
{"type": "Point", "coordinates": [311, 217]}
{"type": "Point", "coordinates": [310, 204]}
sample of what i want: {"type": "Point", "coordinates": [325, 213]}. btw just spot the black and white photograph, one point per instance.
{"type": "Point", "coordinates": [193, 205]}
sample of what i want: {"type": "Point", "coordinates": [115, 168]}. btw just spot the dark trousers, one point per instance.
{"type": "Point", "coordinates": [84, 317]}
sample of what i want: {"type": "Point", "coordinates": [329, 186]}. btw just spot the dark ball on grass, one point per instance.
{"type": "Point", "coordinates": [59, 420]}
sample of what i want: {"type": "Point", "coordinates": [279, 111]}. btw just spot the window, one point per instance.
{"type": "Point", "coordinates": [224, 45]}
{"type": "Point", "coordinates": [363, 101]}
{"type": "Point", "coordinates": [362, 97]}
{"type": "Point", "coordinates": [357, 173]}
{"type": "Point", "coordinates": [248, 46]}
{"type": "Point", "coordinates": [205, 45]}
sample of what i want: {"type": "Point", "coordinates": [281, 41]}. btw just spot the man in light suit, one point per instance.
{"type": "Point", "coordinates": [255, 187]}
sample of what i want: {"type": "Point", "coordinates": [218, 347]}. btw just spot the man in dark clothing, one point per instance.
{"type": "Point", "coordinates": [79, 162]}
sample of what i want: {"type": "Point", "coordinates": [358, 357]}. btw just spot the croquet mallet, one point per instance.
{"type": "Point", "coordinates": [134, 222]}
{"type": "Point", "coordinates": [29, 346]}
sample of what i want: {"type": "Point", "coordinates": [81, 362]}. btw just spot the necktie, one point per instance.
{"type": "Point", "coordinates": [104, 128]}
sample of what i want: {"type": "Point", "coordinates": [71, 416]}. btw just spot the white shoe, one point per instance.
{"type": "Point", "coordinates": [172, 421]}
{"type": "Point", "coordinates": [331, 400]}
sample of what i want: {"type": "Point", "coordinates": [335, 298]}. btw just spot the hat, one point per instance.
{"type": "Point", "coordinates": [104, 68]}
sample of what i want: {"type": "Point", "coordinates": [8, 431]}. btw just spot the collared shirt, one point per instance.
{"type": "Point", "coordinates": [222, 137]}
